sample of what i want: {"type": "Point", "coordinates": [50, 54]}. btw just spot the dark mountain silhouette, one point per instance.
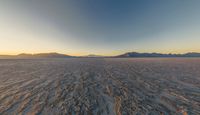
{"type": "Point", "coordinates": [44, 55]}
{"type": "Point", "coordinates": [136, 54]}
{"type": "Point", "coordinates": [92, 55]}
{"type": "Point", "coordinates": [125, 55]}
{"type": "Point", "coordinates": [39, 55]}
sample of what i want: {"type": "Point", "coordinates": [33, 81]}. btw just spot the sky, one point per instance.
{"type": "Point", "coordinates": [102, 27]}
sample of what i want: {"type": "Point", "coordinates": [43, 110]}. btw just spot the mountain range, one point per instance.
{"type": "Point", "coordinates": [136, 54]}
{"type": "Point", "coordinates": [39, 55]}
{"type": "Point", "coordinates": [125, 55]}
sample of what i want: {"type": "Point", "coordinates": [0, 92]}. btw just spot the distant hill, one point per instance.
{"type": "Point", "coordinates": [39, 55]}
{"type": "Point", "coordinates": [92, 55]}
{"type": "Point", "coordinates": [136, 54]}
{"type": "Point", "coordinates": [125, 55]}
{"type": "Point", "coordinates": [44, 55]}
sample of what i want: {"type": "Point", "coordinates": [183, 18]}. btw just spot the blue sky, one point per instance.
{"type": "Point", "coordinates": [105, 27]}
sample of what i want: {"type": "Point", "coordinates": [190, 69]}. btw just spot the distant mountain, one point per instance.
{"type": "Point", "coordinates": [44, 55]}
{"type": "Point", "coordinates": [193, 54]}
{"type": "Point", "coordinates": [92, 55]}
{"type": "Point", "coordinates": [39, 55]}
{"type": "Point", "coordinates": [136, 54]}
{"type": "Point", "coordinates": [6, 56]}
{"type": "Point", "coordinates": [125, 55]}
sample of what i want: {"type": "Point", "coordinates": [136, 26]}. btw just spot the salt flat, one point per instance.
{"type": "Point", "coordinates": [100, 86]}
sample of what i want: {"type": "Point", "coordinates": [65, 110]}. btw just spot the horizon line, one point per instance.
{"type": "Point", "coordinates": [16, 54]}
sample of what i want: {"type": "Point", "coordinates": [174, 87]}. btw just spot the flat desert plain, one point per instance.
{"type": "Point", "coordinates": [100, 86]}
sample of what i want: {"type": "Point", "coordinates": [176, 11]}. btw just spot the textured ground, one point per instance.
{"type": "Point", "coordinates": [100, 86]}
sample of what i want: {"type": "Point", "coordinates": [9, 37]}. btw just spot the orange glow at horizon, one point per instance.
{"type": "Point", "coordinates": [112, 53]}
{"type": "Point", "coordinates": [66, 29]}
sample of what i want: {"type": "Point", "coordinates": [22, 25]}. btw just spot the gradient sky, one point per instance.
{"type": "Point", "coordinates": [103, 27]}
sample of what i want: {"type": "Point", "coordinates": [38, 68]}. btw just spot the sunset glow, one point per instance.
{"type": "Point", "coordinates": [102, 28]}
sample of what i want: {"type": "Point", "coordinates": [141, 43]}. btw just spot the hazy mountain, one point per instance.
{"type": "Point", "coordinates": [92, 55]}
{"type": "Point", "coordinates": [125, 55]}
{"type": "Point", "coordinates": [39, 55]}
{"type": "Point", "coordinates": [136, 54]}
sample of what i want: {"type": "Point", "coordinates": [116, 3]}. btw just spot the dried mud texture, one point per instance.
{"type": "Point", "coordinates": [100, 86]}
